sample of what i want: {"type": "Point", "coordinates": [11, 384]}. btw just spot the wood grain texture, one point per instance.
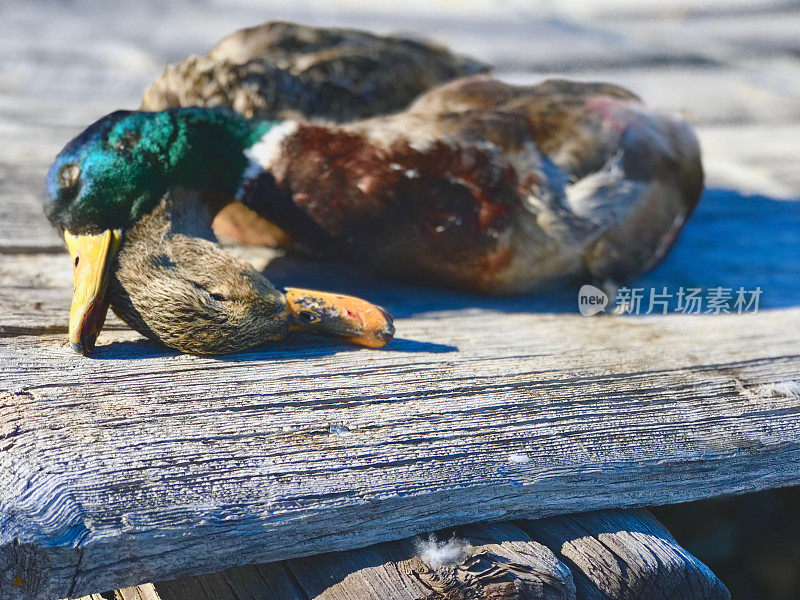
{"type": "Point", "coordinates": [23, 227]}
{"type": "Point", "coordinates": [625, 555]}
{"type": "Point", "coordinates": [621, 555]}
{"type": "Point", "coordinates": [644, 410]}
{"type": "Point", "coordinates": [114, 472]}
{"type": "Point", "coordinates": [495, 561]}
{"type": "Point", "coordinates": [270, 580]}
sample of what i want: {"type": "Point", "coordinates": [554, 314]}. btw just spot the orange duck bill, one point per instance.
{"type": "Point", "coordinates": [335, 315]}
{"type": "Point", "coordinates": [92, 259]}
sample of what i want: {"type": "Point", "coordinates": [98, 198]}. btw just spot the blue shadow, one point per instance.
{"type": "Point", "coordinates": [737, 241]}
{"type": "Point", "coordinates": [730, 241]}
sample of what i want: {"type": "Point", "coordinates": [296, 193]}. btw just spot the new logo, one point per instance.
{"type": "Point", "coordinates": [591, 300]}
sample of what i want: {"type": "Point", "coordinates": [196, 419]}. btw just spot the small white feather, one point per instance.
{"type": "Point", "coordinates": [438, 554]}
{"type": "Point", "coordinates": [519, 458]}
{"type": "Point", "coordinates": [789, 389]}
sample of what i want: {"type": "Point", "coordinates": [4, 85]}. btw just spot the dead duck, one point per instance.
{"type": "Point", "coordinates": [280, 70]}
{"type": "Point", "coordinates": [479, 185]}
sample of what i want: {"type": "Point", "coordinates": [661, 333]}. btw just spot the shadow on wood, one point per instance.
{"type": "Point", "coordinates": [705, 256]}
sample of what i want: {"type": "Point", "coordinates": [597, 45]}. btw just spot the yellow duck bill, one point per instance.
{"type": "Point", "coordinates": [92, 259]}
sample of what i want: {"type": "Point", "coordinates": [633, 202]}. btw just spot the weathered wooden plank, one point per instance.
{"type": "Point", "coordinates": [726, 37]}
{"type": "Point", "coordinates": [761, 159]}
{"type": "Point", "coordinates": [270, 580]}
{"type": "Point", "coordinates": [35, 292]}
{"type": "Point", "coordinates": [125, 53]}
{"type": "Point", "coordinates": [23, 226]}
{"type": "Point", "coordinates": [529, 370]}
{"type": "Point", "coordinates": [140, 592]}
{"type": "Point", "coordinates": [118, 471]}
{"type": "Point", "coordinates": [625, 554]}
{"type": "Point", "coordinates": [672, 10]}
{"type": "Point", "coordinates": [496, 561]}
{"type": "Point", "coordinates": [613, 554]}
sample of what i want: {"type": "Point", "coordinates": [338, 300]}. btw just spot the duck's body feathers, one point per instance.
{"type": "Point", "coordinates": [281, 70]}
{"type": "Point", "coordinates": [486, 186]}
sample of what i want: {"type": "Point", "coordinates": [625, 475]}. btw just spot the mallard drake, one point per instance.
{"type": "Point", "coordinates": [478, 185]}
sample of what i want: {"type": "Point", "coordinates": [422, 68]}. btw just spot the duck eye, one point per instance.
{"type": "Point", "coordinates": [68, 176]}
{"type": "Point", "coordinates": [307, 316]}
{"type": "Point", "coordinates": [128, 140]}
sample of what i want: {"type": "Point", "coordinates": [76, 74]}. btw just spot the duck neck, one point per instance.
{"type": "Point", "coordinates": [209, 149]}
{"type": "Point", "coordinates": [266, 186]}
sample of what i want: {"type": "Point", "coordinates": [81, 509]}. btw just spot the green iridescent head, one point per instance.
{"type": "Point", "coordinates": [118, 169]}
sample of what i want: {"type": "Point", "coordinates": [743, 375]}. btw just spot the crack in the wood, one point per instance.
{"type": "Point", "coordinates": [9, 331]}
{"type": "Point", "coordinates": [77, 573]}
{"type": "Point", "coordinates": [48, 249]}
{"type": "Point", "coordinates": [295, 579]}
